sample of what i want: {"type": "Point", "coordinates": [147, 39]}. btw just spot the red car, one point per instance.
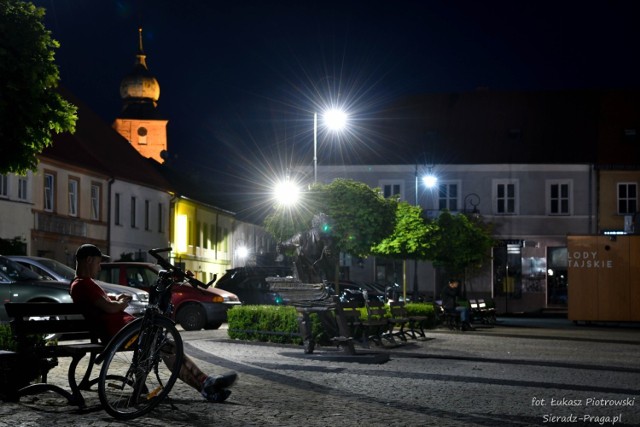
{"type": "Point", "coordinates": [193, 308]}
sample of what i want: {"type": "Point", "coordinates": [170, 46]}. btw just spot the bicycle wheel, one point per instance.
{"type": "Point", "coordinates": [135, 375]}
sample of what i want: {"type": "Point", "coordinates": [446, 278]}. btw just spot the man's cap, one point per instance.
{"type": "Point", "coordinates": [88, 250]}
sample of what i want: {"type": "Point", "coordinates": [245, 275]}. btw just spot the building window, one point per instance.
{"type": "Point", "coordinates": [505, 197]}
{"type": "Point", "coordinates": [213, 237]}
{"type": "Point", "coordinates": [391, 189]}
{"type": "Point", "coordinates": [133, 212]}
{"type": "Point", "coordinates": [4, 186]}
{"type": "Point", "coordinates": [448, 196]}
{"type": "Point", "coordinates": [95, 202]}
{"type": "Point", "coordinates": [116, 210]}
{"type": "Point", "coordinates": [73, 197]}
{"type": "Point", "coordinates": [146, 215]}
{"type": "Point", "coordinates": [49, 190]}
{"type": "Point", "coordinates": [559, 197]}
{"type": "Point", "coordinates": [627, 198]}
{"type": "Point", "coordinates": [23, 188]}
{"type": "Point", "coordinates": [160, 219]}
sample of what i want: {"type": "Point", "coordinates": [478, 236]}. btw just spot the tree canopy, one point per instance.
{"type": "Point", "coordinates": [412, 237]}
{"type": "Point", "coordinates": [360, 216]}
{"type": "Point", "coordinates": [461, 243]}
{"type": "Point", "coordinates": [30, 108]}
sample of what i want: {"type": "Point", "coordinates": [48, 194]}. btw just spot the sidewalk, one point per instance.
{"type": "Point", "coordinates": [490, 377]}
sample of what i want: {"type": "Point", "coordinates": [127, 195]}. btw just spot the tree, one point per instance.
{"type": "Point", "coordinates": [360, 216]}
{"type": "Point", "coordinates": [412, 236]}
{"type": "Point", "coordinates": [30, 108]}
{"type": "Point", "coordinates": [462, 243]}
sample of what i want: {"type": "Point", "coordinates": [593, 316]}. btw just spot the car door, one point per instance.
{"type": "Point", "coordinates": [5, 295]}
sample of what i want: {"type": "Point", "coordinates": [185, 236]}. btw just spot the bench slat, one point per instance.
{"type": "Point", "coordinates": [56, 326]}
{"type": "Point", "coordinates": [43, 309]}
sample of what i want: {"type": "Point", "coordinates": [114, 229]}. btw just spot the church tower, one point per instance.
{"type": "Point", "coordinates": [139, 121]}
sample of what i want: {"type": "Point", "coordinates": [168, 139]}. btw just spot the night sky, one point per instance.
{"type": "Point", "coordinates": [240, 80]}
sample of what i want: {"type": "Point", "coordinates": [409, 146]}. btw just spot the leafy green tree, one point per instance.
{"type": "Point", "coordinates": [30, 108]}
{"type": "Point", "coordinates": [462, 244]}
{"type": "Point", "coordinates": [360, 216]}
{"type": "Point", "coordinates": [412, 237]}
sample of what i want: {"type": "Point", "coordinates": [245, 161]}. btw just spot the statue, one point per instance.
{"type": "Point", "coordinates": [313, 258]}
{"type": "Point", "coordinates": [314, 263]}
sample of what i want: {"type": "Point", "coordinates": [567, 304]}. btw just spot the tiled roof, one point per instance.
{"type": "Point", "coordinates": [579, 126]}
{"type": "Point", "coordinates": [97, 146]}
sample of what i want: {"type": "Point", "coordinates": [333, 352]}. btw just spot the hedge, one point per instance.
{"type": "Point", "coordinates": [279, 324]}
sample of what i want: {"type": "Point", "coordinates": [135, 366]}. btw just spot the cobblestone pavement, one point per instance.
{"type": "Point", "coordinates": [522, 372]}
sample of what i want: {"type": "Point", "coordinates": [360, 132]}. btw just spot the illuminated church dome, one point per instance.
{"type": "Point", "coordinates": [140, 86]}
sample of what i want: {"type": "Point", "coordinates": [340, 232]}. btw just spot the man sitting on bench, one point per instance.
{"type": "Point", "coordinates": [107, 316]}
{"type": "Point", "coordinates": [450, 295]}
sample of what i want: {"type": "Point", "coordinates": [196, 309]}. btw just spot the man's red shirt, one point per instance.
{"type": "Point", "coordinates": [86, 292]}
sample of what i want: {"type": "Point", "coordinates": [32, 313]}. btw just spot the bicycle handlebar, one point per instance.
{"type": "Point", "coordinates": [164, 263]}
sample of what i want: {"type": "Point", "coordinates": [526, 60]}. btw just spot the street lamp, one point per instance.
{"type": "Point", "coordinates": [286, 193]}
{"type": "Point", "coordinates": [430, 181]}
{"type": "Point", "coordinates": [334, 119]}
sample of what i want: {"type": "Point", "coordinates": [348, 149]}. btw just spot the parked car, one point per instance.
{"type": "Point", "coordinates": [50, 269]}
{"type": "Point", "coordinates": [19, 284]}
{"type": "Point", "coordinates": [249, 284]}
{"type": "Point", "coordinates": [193, 308]}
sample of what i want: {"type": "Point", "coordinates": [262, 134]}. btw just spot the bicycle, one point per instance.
{"type": "Point", "coordinates": [136, 374]}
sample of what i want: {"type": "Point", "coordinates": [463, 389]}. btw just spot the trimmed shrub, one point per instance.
{"type": "Point", "coordinates": [279, 324]}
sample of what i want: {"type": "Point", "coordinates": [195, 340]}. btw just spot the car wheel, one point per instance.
{"type": "Point", "coordinates": [213, 325]}
{"type": "Point", "coordinates": [191, 317]}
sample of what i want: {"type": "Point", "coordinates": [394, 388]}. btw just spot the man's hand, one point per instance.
{"type": "Point", "coordinates": [124, 298]}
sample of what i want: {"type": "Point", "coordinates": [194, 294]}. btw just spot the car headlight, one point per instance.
{"type": "Point", "coordinates": [225, 299]}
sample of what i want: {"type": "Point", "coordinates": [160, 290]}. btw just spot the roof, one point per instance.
{"type": "Point", "coordinates": [97, 146]}
{"type": "Point", "coordinates": [572, 126]}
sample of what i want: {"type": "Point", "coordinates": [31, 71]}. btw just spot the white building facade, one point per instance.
{"type": "Point", "coordinates": [532, 209]}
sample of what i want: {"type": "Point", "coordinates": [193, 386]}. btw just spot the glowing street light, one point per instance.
{"type": "Point", "coordinates": [334, 119]}
{"type": "Point", "coordinates": [430, 180]}
{"type": "Point", "coordinates": [286, 193]}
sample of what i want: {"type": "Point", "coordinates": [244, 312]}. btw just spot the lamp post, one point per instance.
{"type": "Point", "coordinates": [429, 180]}
{"type": "Point", "coordinates": [336, 120]}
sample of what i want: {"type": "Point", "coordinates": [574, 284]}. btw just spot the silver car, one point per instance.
{"type": "Point", "coordinates": [50, 269]}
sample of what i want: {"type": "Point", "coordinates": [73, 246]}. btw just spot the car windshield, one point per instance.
{"type": "Point", "coordinates": [15, 271]}
{"type": "Point", "coordinates": [60, 268]}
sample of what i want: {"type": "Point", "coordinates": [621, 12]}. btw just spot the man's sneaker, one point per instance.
{"type": "Point", "coordinates": [213, 386]}
{"type": "Point", "coordinates": [218, 397]}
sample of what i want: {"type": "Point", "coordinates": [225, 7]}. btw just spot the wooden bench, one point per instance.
{"type": "Point", "coordinates": [399, 319]}
{"type": "Point", "coordinates": [376, 326]}
{"type": "Point", "coordinates": [489, 312]}
{"type": "Point", "coordinates": [475, 311]}
{"type": "Point", "coordinates": [310, 298]}
{"type": "Point", "coordinates": [416, 325]}
{"type": "Point", "coordinates": [74, 340]}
